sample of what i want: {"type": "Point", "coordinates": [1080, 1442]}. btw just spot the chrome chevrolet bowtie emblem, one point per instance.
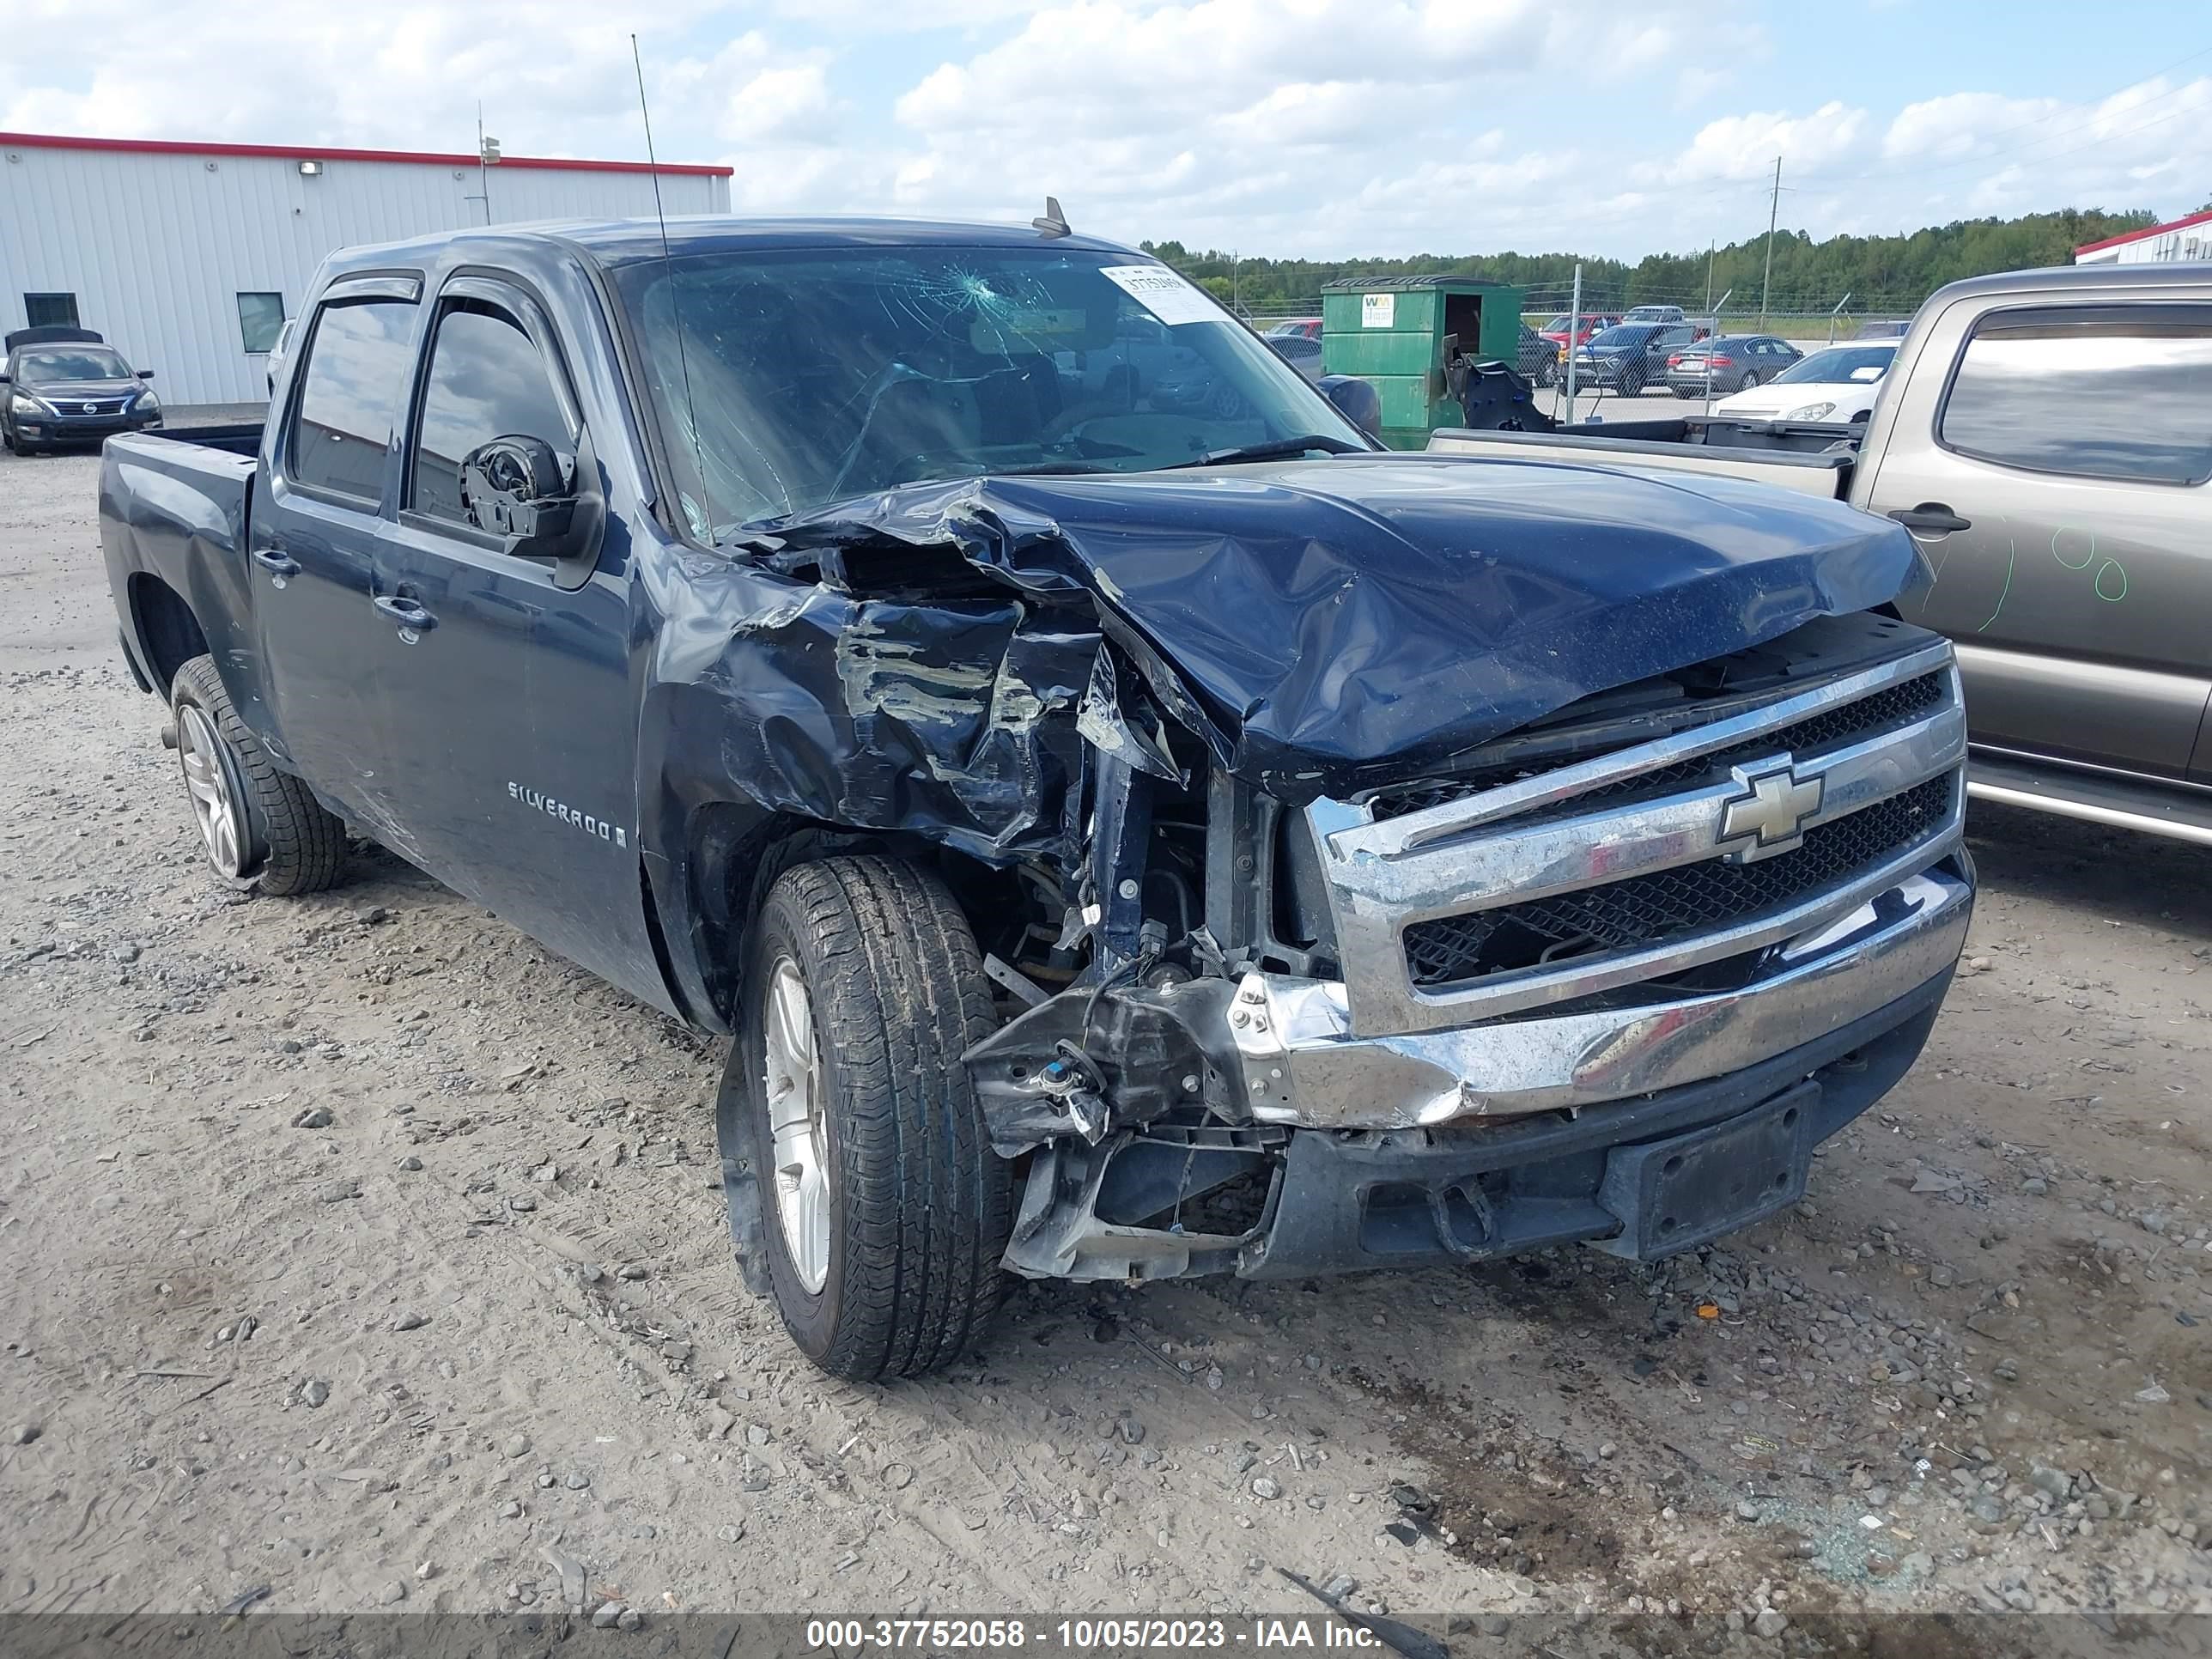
{"type": "Point", "coordinates": [1769, 817]}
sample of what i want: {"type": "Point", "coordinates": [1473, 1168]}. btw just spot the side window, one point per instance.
{"type": "Point", "coordinates": [50, 310]}
{"type": "Point", "coordinates": [2099, 393]}
{"type": "Point", "coordinates": [486, 381]}
{"type": "Point", "coordinates": [261, 320]}
{"type": "Point", "coordinates": [354, 384]}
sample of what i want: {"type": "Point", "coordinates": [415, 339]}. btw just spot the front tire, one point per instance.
{"type": "Point", "coordinates": [261, 828]}
{"type": "Point", "coordinates": [883, 1210]}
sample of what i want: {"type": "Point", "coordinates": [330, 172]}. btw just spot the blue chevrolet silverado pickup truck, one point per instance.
{"type": "Point", "coordinates": [1126, 835]}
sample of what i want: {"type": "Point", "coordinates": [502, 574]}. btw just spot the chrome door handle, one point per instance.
{"type": "Point", "coordinates": [408, 613]}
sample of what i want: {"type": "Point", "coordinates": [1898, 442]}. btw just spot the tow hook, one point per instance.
{"type": "Point", "coordinates": [169, 734]}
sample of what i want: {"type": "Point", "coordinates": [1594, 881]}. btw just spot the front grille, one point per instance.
{"type": "Point", "coordinates": [1832, 729]}
{"type": "Point", "coordinates": [1706, 896]}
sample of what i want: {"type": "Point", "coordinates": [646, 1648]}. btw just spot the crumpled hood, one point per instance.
{"type": "Point", "coordinates": [1333, 621]}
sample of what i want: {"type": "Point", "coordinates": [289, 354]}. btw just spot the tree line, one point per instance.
{"type": "Point", "coordinates": [1884, 274]}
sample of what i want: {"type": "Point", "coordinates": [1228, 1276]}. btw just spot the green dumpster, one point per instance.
{"type": "Point", "coordinates": [1398, 335]}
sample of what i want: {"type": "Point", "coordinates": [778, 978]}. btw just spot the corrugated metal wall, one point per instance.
{"type": "Point", "coordinates": [158, 247]}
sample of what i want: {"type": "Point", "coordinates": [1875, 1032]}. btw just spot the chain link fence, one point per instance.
{"type": "Point", "coordinates": [1706, 345]}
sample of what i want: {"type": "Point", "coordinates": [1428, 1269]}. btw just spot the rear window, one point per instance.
{"type": "Point", "coordinates": [2099, 392]}
{"type": "Point", "coordinates": [355, 380]}
{"type": "Point", "coordinates": [1838, 364]}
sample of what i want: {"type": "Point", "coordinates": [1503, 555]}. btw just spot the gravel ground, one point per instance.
{"type": "Point", "coordinates": [362, 1250]}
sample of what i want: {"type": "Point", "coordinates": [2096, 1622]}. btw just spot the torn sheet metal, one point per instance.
{"type": "Point", "coordinates": [953, 718]}
{"type": "Point", "coordinates": [1154, 1047]}
{"type": "Point", "coordinates": [1325, 624]}
{"type": "Point", "coordinates": [949, 658]}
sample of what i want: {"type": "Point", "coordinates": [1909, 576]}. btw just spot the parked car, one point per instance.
{"type": "Point", "coordinates": [1299, 328]}
{"type": "Point", "coordinates": [1729, 362]}
{"type": "Point", "coordinates": [1301, 351]}
{"type": "Point", "coordinates": [2046, 437]}
{"type": "Point", "coordinates": [276, 361]}
{"type": "Point", "coordinates": [66, 385]}
{"type": "Point", "coordinates": [1564, 332]}
{"type": "Point", "coordinates": [1539, 358]}
{"type": "Point", "coordinates": [1840, 383]}
{"type": "Point", "coordinates": [1655, 314]}
{"type": "Point", "coordinates": [1628, 358]}
{"type": "Point", "coordinates": [829, 673]}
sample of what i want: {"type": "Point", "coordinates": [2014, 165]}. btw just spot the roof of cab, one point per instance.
{"type": "Point", "coordinates": [629, 241]}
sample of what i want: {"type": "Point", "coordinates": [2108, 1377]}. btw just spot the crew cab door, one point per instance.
{"type": "Point", "coordinates": [314, 527]}
{"type": "Point", "coordinates": [508, 677]}
{"type": "Point", "coordinates": [2051, 458]}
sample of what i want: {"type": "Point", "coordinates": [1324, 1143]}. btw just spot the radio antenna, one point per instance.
{"type": "Point", "coordinates": [675, 303]}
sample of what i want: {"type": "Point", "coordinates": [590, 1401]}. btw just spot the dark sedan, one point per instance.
{"type": "Point", "coordinates": [1539, 358]}
{"type": "Point", "coordinates": [1731, 363]}
{"type": "Point", "coordinates": [78, 391]}
{"type": "Point", "coordinates": [1301, 351]}
{"type": "Point", "coordinates": [1629, 356]}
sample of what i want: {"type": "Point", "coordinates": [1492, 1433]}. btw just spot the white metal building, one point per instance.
{"type": "Point", "coordinates": [2183, 239]}
{"type": "Point", "coordinates": [188, 257]}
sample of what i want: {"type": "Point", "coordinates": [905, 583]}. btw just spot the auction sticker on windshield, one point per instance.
{"type": "Point", "coordinates": [1163, 293]}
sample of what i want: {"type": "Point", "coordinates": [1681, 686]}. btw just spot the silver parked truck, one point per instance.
{"type": "Point", "coordinates": [2046, 436]}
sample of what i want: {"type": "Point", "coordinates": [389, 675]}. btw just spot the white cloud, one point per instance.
{"type": "Point", "coordinates": [1321, 126]}
{"type": "Point", "coordinates": [554, 79]}
{"type": "Point", "coordinates": [1745, 146]}
{"type": "Point", "coordinates": [1325, 127]}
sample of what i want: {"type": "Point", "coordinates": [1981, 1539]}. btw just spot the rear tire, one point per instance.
{"type": "Point", "coordinates": [884, 1211]}
{"type": "Point", "coordinates": [261, 828]}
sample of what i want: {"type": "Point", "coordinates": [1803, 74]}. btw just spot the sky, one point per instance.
{"type": "Point", "coordinates": [1323, 128]}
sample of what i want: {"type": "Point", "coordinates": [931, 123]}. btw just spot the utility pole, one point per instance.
{"type": "Point", "coordinates": [1574, 331]}
{"type": "Point", "coordinates": [1710, 244]}
{"type": "Point", "coordinates": [1773, 211]}
{"type": "Point", "coordinates": [487, 153]}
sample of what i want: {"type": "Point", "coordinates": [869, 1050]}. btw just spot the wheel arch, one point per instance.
{"type": "Point", "coordinates": [732, 851]}
{"type": "Point", "coordinates": [165, 632]}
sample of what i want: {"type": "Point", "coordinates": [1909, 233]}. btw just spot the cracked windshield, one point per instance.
{"type": "Point", "coordinates": [808, 378]}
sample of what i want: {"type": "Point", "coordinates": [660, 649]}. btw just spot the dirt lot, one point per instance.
{"type": "Point", "coordinates": [358, 1249]}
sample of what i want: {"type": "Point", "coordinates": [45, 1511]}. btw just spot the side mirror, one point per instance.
{"type": "Point", "coordinates": [518, 487]}
{"type": "Point", "coordinates": [3, 380]}
{"type": "Point", "coordinates": [1356, 400]}
{"type": "Point", "coordinates": [145, 373]}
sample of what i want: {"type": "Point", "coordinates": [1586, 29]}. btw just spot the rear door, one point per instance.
{"type": "Point", "coordinates": [2052, 458]}
{"type": "Point", "coordinates": [314, 530]}
{"type": "Point", "coordinates": [507, 678]}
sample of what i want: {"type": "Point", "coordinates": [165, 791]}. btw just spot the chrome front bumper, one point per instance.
{"type": "Point", "coordinates": [1376, 1049]}
{"type": "Point", "coordinates": [1302, 1065]}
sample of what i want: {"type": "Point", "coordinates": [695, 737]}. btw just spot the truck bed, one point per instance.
{"type": "Point", "coordinates": [173, 512]}
{"type": "Point", "coordinates": [1813, 458]}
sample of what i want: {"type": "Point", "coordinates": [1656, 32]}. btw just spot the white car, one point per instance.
{"type": "Point", "coordinates": [1837, 384]}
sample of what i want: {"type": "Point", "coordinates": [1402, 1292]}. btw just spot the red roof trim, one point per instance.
{"type": "Point", "coordinates": [307, 153]}
{"type": "Point", "coordinates": [2149, 230]}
